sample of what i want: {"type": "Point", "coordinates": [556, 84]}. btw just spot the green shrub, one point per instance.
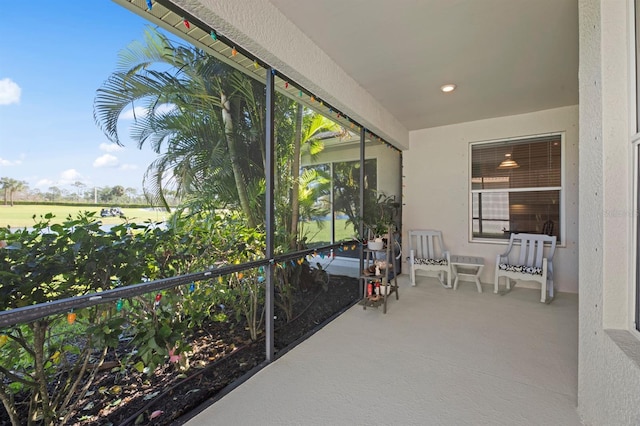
{"type": "Point", "coordinates": [49, 364]}
{"type": "Point", "coordinates": [51, 359]}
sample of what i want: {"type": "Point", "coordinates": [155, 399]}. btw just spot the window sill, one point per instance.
{"type": "Point", "coordinates": [627, 342]}
{"type": "Point", "coordinates": [502, 242]}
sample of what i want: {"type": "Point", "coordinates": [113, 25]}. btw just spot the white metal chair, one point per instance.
{"type": "Point", "coordinates": [428, 253]}
{"type": "Point", "coordinates": [534, 262]}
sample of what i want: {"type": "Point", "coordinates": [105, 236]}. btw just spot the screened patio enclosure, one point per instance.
{"type": "Point", "coordinates": [268, 187]}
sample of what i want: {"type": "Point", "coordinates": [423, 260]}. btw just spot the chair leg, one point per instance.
{"type": "Point", "coordinates": [496, 283]}
{"type": "Point", "coordinates": [441, 279]}
{"type": "Point", "coordinates": [456, 279]}
{"type": "Point", "coordinates": [412, 269]}
{"type": "Point", "coordinates": [543, 291]}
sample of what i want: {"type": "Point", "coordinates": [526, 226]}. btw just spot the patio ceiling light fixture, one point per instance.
{"type": "Point", "coordinates": [448, 88]}
{"type": "Point", "coordinates": [508, 163]}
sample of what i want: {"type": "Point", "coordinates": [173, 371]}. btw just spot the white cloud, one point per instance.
{"type": "Point", "coordinates": [44, 183]}
{"type": "Point", "coordinates": [9, 92]}
{"type": "Point", "coordinates": [129, 167]}
{"type": "Point", "coordinates": [106, 160]}
{"type": "Point", "coordinates": [110, 147]}
{"type": "Point", "coordinates": [5, 162]}
{"type": "Point", "coordinates": [165, 108]}
{"type": "Point", "coordinates": [69, 176]}
{"type": "Point", "coordinates": [65, 178]}
{"type": "Point", "coordinates": [140, 112]}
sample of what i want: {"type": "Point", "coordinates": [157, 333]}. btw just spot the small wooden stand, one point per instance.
{"type": "Point", "coordinates": [377, 284]}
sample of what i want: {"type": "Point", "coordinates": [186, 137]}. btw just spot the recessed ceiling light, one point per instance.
{"type": "Point", "coordinates": [448, 88]}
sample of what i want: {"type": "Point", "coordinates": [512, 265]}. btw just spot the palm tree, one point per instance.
{"type": "Point", "coordinates": [307, 140]}
{"type": "Point", "coordinates": [315, 187]}
{"type": "Point", "coordinates": [205, 120]}
{"type": "Point", "coordinates": [211, 134]}
{"type": "Point", "coordinates": [11, 186]}
{"type": "Point", "coordinates": [5, 184]}
{"type": "Point", "coordinates": [16, 186]}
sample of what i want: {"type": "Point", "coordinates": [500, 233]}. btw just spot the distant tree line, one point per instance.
{"type": "Point", "coordinates": [19, 190]}
{"type": "Point", "coordinates": [10, 187]}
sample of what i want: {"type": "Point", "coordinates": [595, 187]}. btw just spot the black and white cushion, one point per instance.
{"type": "Point", "coordinates": [531, 270]}
{"type": "Point", "coordinates": [421, 261]}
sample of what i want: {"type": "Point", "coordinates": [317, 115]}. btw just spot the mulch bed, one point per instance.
{"type": "Point", "coordinates": [222, 356]}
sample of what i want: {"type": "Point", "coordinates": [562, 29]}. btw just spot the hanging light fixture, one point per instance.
{"type": "Point", "coordinates": [508, 163]}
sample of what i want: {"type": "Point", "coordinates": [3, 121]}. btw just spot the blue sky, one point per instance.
{"type": "Point", "coordinates": [53, 57]}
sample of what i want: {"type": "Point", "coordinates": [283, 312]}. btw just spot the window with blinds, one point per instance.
{"type": "Point", "coordinates": [516, 186]}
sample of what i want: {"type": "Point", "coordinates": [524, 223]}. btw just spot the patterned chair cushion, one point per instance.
{"type": "Point", "coordinates": [531, 270]}
{"type": "Point", "coordinates": [421, 261]}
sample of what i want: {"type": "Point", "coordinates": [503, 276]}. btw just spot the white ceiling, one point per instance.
{"type": "Point", "coordinates": [506, 56]}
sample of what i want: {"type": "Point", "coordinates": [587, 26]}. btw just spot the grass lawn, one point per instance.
{"type": "Point", "coordinates": [315, 234]}
{"type": "Point", "coordinates": [20, 216]}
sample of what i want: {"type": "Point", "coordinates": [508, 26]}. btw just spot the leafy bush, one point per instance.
{"type": "Point", "coordinates": [47, 366]}
{"type": "Point", "coordinates": [48, 359]}
{"type": "Point", "coordinates": [226, 238]}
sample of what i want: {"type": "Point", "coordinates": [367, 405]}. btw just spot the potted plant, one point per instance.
{"type": "Point", "coordinates": [375, 233]}
{"type": "Point", "coordinates": [380, 214]}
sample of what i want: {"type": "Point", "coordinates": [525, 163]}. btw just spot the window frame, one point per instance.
{"type": "Point", "coordinates": [561, 188]}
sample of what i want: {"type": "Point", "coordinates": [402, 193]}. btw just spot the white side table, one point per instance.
{"type": "Point", "coordinates": [472, 267]}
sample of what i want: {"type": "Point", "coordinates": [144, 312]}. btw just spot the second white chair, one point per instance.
{"type": "Point", "coordinates": [529, 257]}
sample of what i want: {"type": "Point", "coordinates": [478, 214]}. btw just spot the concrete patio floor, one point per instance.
{"type": "Point", "coordinates": [438, 357]}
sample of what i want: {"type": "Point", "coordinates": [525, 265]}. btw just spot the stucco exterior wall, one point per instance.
{"type": "Point", "coordinates": [608, 367]}
{"type": "Point", "coordinates": [436, 170]}
{"type": "Point", "coordinates": [259, 27]}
